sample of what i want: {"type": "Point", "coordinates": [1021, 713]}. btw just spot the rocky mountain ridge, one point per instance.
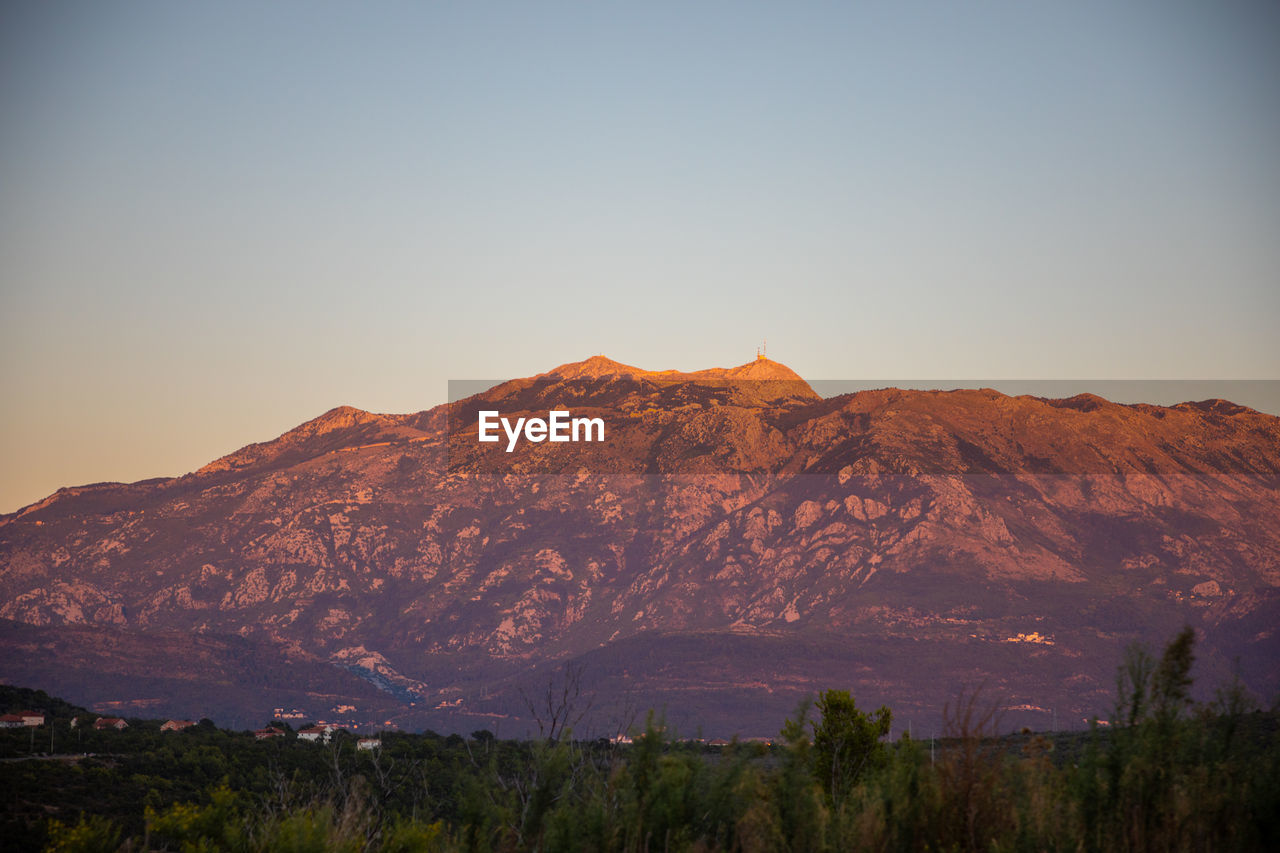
{"type": "Point", "coordinates": [735, 542]}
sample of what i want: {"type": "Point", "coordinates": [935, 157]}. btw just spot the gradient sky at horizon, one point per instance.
{"type": "Point", "coordinates": [220, 220]}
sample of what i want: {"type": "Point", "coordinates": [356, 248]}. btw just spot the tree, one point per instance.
{"type": "Point", "coordinates": [1133, 686]}
{"type": "Point", "coordinates": [562, 706]}
{"type": "Point", "coordinates": [1171, 687]}
{"type": "Point", "coordinates": [846, 743]}
{"type": "Point", "coordinates": [1156, 690]}
{"type": "Point", "coordinates": [93, 833]}
{"type": "Point", "coordinates": [802, 815]}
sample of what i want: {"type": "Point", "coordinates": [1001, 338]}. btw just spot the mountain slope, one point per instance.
{"type": "Point", "coordinates": [734, 542]}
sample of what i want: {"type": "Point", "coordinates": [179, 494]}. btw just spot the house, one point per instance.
{"type": "Point", "coordinates": [176, 725]}
{"type": "Point", "coordinates": [369, 743]}
{"type": "Point", "coordinates": [11, 721]}
{"type": "Point", "coordinates": [31, 718]}
{"type": "Point", "coordinates": [268, 732]}
{"type": "Point", "coordinates": [104, 723]}
{"type": "Point", "coordinates": [315, 733]}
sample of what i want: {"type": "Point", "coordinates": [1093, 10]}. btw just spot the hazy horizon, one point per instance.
{"type": "Point", "coordinates": [221, 220]}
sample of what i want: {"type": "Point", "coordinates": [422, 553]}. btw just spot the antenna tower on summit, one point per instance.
{"type": "Point", "coordinates": [760, 350]}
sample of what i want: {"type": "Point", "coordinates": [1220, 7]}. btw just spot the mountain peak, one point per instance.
{"type": "Point", "coordinates": [759, 369]}
{"type": "Point", "coordinates": [596, 367]}
{"type": "Point", "coordinates": [338, 427]}
{"type": "Point", "coordinates": [339, 417]}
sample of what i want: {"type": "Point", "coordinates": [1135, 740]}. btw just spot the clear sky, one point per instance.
{"type": "Point", "coordinates": [218, 220]}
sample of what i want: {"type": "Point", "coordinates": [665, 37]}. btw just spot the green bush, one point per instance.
{"type": "Point", "coordinates": [1165, 775]}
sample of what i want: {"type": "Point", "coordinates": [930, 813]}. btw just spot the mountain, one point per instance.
{"type": "Point", "coordinates": [733, 543]}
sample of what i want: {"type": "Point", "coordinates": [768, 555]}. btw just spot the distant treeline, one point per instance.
{"type": "Point", "coordinates": [1164, 775]}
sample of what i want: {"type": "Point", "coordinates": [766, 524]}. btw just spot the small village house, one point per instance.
{"type": "Point", "coordinates": [319, 732]}
{"type": "Point", "coordinates": [104, 723]}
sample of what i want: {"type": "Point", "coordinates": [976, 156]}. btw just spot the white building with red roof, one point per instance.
{"type": "Point", "coordinates": [319, 732]}
{"type": "Point", "coordinates": [104, 723]}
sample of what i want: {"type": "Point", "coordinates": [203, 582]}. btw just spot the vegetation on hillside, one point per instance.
{"type": "Point", "coordinates": [1165, 775]}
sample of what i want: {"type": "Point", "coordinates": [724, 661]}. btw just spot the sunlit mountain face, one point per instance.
{"type": "Point", "coordinates": [727, 543]}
